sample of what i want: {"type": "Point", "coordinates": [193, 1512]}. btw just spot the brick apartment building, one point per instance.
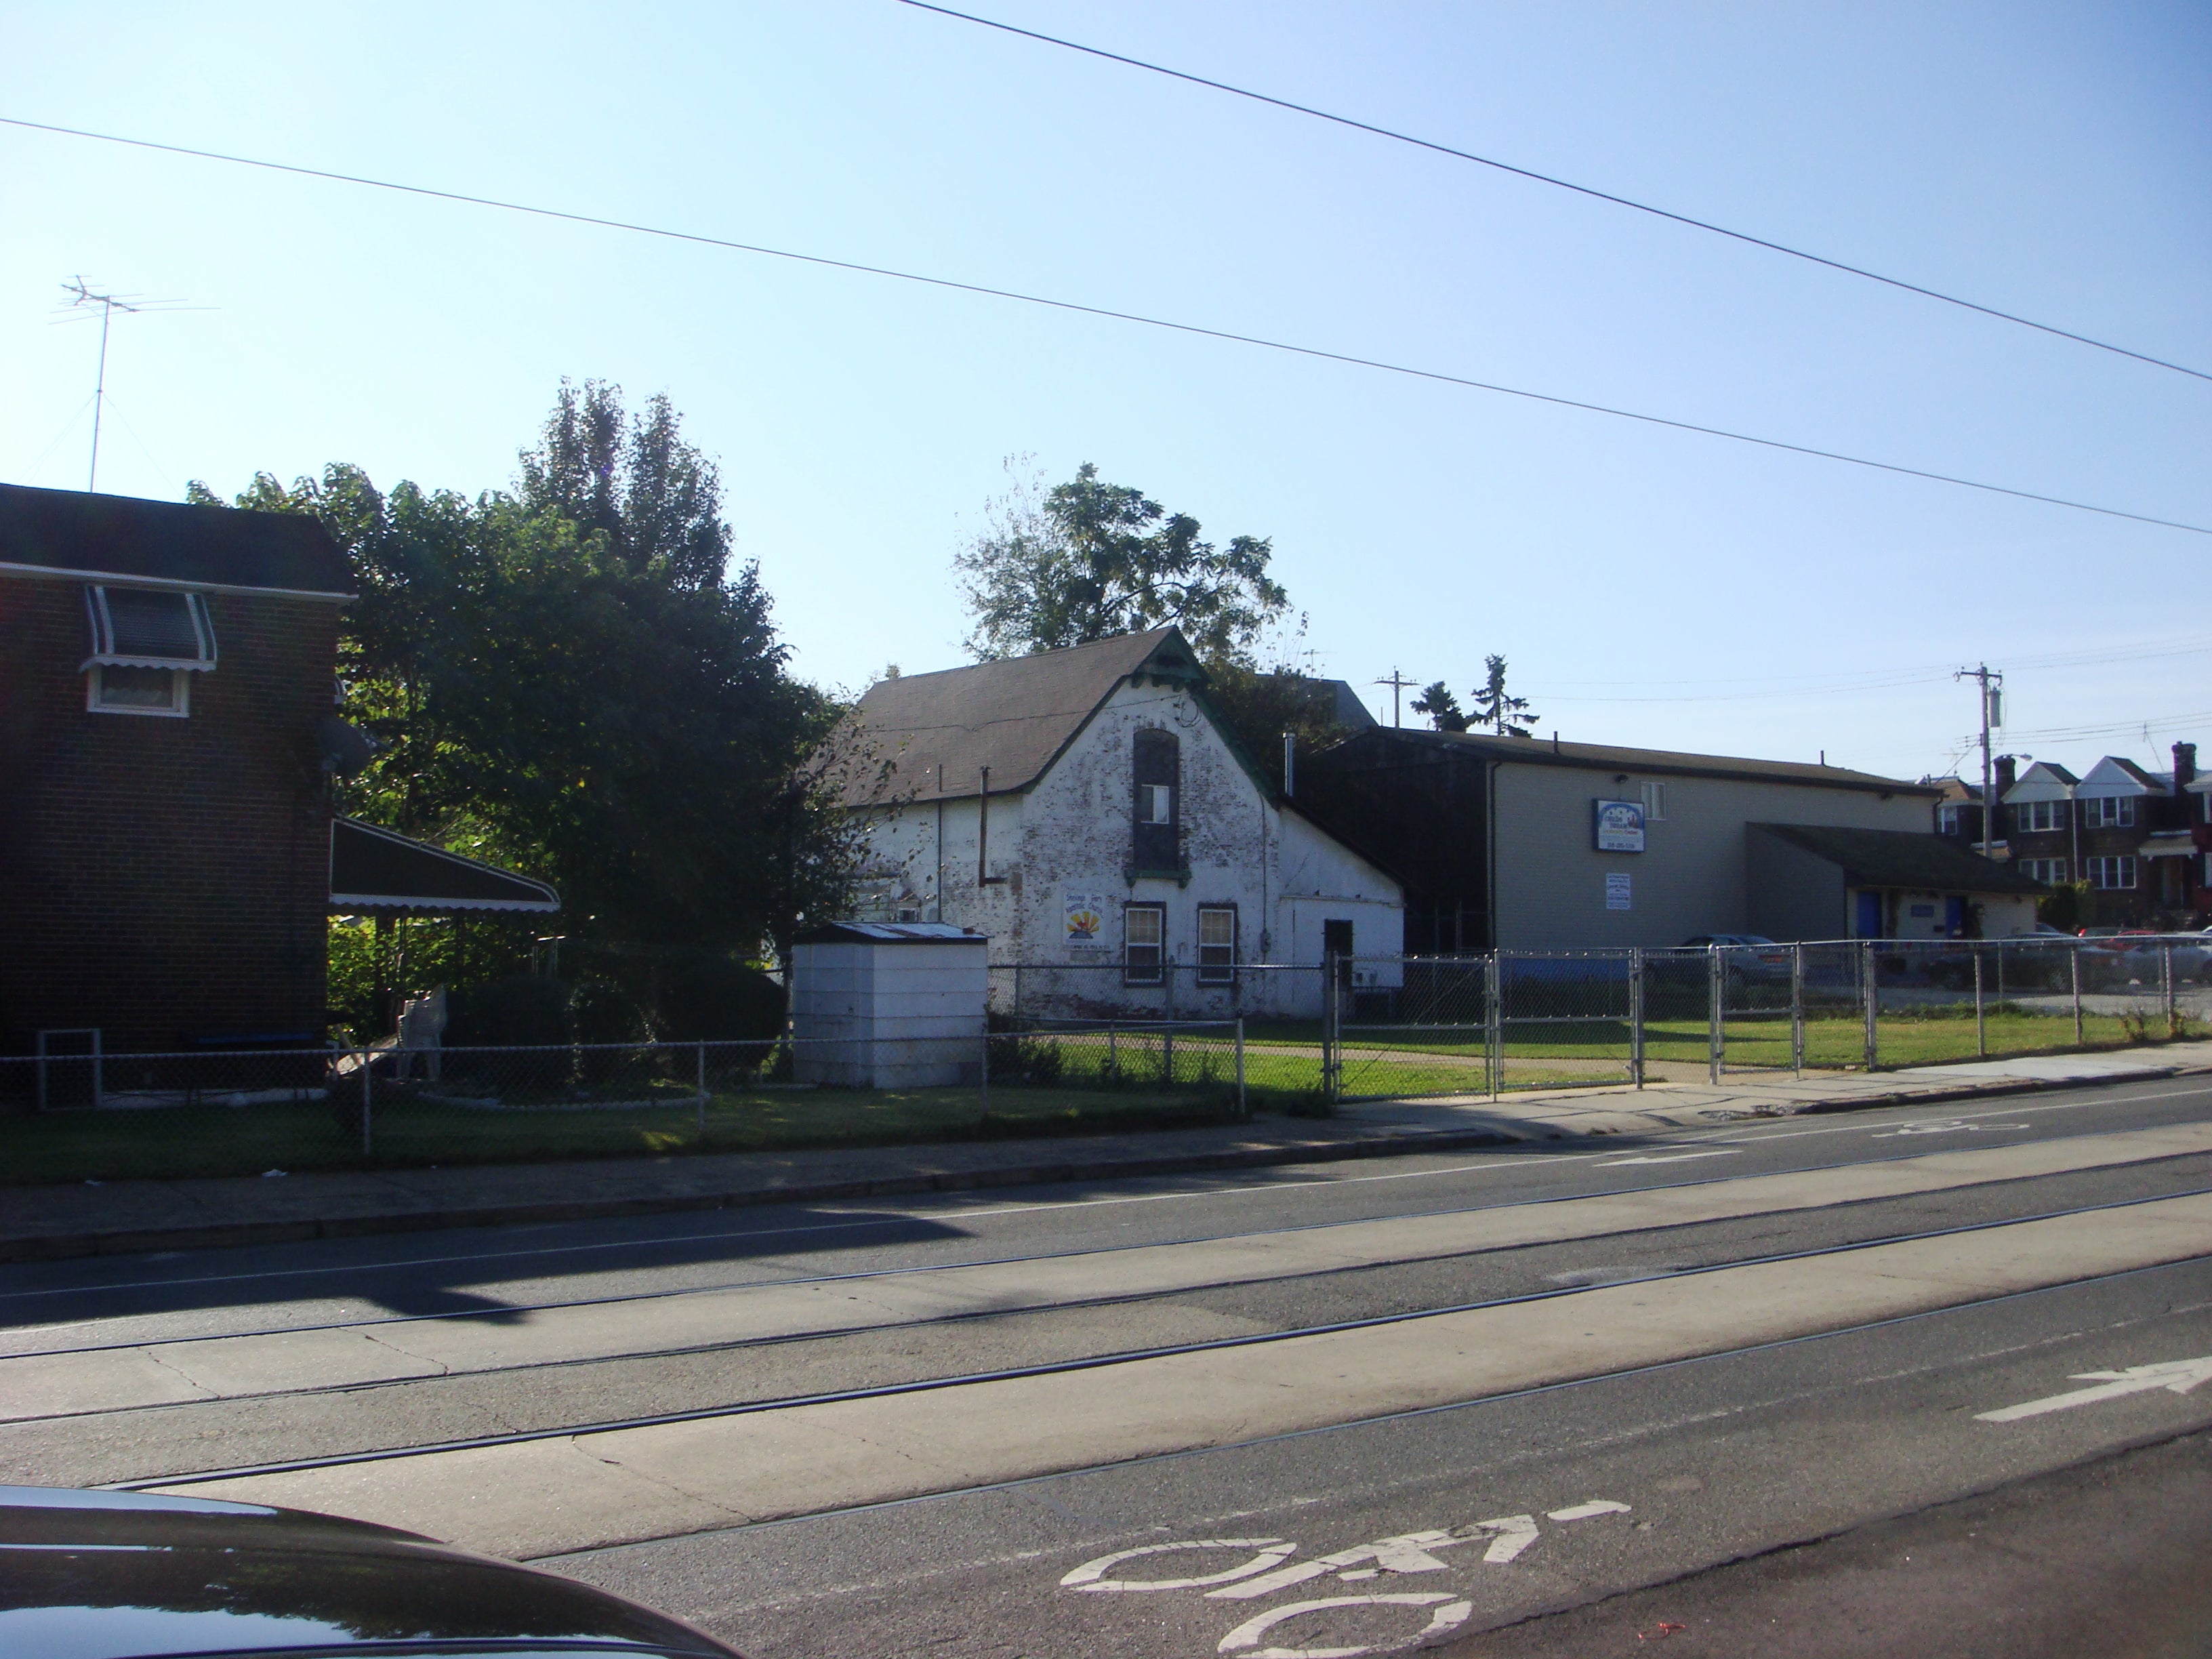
{"type": "Point", "coordinates": [168, 737]}
{"type": "Point", "coordinates": [2142, 839]}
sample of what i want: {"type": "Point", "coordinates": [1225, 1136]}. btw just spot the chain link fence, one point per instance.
{"type": "Point", "coordinates": [73, 1112]}
{"type": "Point", "coordinates": [1072, 1049]}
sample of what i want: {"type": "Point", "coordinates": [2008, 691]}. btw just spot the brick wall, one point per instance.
{"type": "Point", "coordinates": [163, 878]}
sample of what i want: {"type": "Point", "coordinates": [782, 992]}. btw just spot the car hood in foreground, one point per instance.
{"type": "Point", "coordinates": [116, 1575]}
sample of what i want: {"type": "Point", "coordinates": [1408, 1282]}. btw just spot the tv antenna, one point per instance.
{"type": "Point", "coordinates": [80, 304]}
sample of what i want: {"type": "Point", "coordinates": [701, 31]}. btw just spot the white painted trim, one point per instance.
{"type": "Point", "coordinates": [177, 678]}
{"type": "Point", "coordinates": [347, 903]}
{"type": "Point", "coordinates": [167, 583]}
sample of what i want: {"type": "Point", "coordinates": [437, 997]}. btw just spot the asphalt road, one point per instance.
{"type": "Point", "coordinates": [1466, 1399]}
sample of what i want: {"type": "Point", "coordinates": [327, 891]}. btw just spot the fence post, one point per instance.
{"type": "Point", "coordinates": [1636, 1015]}
{"type": "Point", "coordinates": [702, 1088]}
{"type": "Point", "coordinates": [1716, 1011]}
{"type": "Point", "coordinates": [1241, 1110]}
{"type": "Point", "coordinates": [983, 1072]}
{"type": "Point", "coordinates": [1113, 1053]}
{"type": "Point", "coordinates": [367, 1082]}
{"type": "Point", "coordinates": [1493, 1022]}
{"type": "Point", "coordinates": [2074, 961]}
{"type": "Point", "coordinates": [1797, 1008]}
{"type": "Point", "coordinates": [1329, 1038]}
{"type": "Point", "coordinates": [1167, 1057]}
{"type": "Point", "coordinates": [1981, 1016]}
{"type": "Point", "coordinates": [2166, 987]}
{"type": "Point", "coordinates": [1870, 994]}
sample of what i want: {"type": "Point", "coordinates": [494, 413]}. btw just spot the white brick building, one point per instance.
{"type": "Point", "coordinates": [1086, 810]}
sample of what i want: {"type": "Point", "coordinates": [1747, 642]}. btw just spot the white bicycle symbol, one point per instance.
{"type": "Point", "coordinates": [1268, 1567]}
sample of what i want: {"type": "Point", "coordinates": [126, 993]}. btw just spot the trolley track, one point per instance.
{"type": "Point", "coordinates": [1124, 1357]}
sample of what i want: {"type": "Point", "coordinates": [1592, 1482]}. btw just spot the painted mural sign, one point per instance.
{"type": "Point", "coordinates": [1084, 915]}
{"type": "Point", "coordinates": [1619, 825]}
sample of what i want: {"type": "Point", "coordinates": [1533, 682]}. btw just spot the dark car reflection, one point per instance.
{"type": "Point", "coordinates": [90, 1575]}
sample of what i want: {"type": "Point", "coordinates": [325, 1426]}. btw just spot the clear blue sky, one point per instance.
{"type": "Point", "coordinates": [1648, 587]}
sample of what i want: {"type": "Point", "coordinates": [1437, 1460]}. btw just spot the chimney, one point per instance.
{"type": "Point", "coordinates": [2184, 766]}
{"type": "Point", "coordinates": [2008, 771]}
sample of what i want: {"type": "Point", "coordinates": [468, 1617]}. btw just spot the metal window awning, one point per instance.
{"type": "Point", "coordinates": [374, 869]}
{"type": "Point", "coordinates": [147, 627]}
{"type": "Point", "coordinates": [2167, 847]}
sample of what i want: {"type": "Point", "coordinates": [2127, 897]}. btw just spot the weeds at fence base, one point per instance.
{"type": "Point", "coordinates": [416, 1127]}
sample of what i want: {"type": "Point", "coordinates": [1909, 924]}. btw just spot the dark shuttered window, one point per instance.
{"type": "Point", "coordinates": [1157, 766]}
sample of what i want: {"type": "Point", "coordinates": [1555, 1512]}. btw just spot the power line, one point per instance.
{"type": "Point", "coordinates": [1560, 184]}
{"type": "Point", "coordinates": [1319, 354]}
{"type": "Point", "coordinates": [1821, 685]}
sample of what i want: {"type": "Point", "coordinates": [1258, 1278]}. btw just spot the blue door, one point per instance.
{"type": "Point", "coordinates": [1869, 915]}
{"type": "Point", "coordinates": [1954, 917]}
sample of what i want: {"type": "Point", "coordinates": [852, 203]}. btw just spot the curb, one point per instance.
{"type": "Point", "coordinates": [231, 1235]}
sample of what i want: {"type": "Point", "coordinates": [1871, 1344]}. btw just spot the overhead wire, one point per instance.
{"type": "Point", "coordinates": [1432, 145]}
{"type": "Point", "coordinates": [1198, 331]}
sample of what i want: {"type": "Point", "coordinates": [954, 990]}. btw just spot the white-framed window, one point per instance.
{"type": "Point", "coordinates": [117, 689]}
{"type": "Point", "coordinates": [1217, 944]}
{"type": "Point", "coordinates": [2110, 813]}
{"type": "Point", "coordinates": [1144, 944]}
{"type": "Point", "coordinates": [2051, 872]}
{"type": "Point", "coordinates": [146, 644]}
{"type": "Point", "coordinates": [1947, 818]}
{"type": "Point", "coordinates": [2111, 874]}
{"type": "Point", "coordinates": [2034, 817]}
{"type": "Point", "coordinates": [1655, 802]}
{"type": "Point", "coordinates": [1155, 803]}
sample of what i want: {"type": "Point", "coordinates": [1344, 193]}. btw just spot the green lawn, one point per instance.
{"type": "Point", "coordinates": [246, 1140]}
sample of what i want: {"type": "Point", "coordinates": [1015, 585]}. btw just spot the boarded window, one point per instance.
{"type": "Point", "coordinates": [1157, 838]}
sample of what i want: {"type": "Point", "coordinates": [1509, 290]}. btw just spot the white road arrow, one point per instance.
{"type": "Point", "coordinates": [1669, 1157]}
{"type": "Point", "coordinates": [2179, 1376]}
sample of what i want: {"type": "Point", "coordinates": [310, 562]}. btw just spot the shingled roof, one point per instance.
{"type": "Point", "coordinates": [68, 533]}
{"type": "Point", "coordinates": [1902, 858]}
{"type": "Point", "coordinates": [939, 731]}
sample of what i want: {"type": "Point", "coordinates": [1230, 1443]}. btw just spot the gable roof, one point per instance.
{"type": "Point", "coordinates": [1902, 858]}
{"type": "Point", "coordinates": [2116, 775]}
{"type": "Point", "coordinates": [69, 533]}
{"type": "Point", "coordinates": [939, 731]}
{"type": "Point", "coordinates": [2044, 781]}
{"type": "Point", "coordinates": [1597, 756]}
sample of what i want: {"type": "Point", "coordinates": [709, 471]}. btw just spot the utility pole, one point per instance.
{"type": "Point", "coordinates": [1397, 683]}
{"type": "Point", "coordinates": [1992, 687]}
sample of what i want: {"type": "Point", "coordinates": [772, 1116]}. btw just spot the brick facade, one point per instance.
{"type": "Point", "coordinates": [163, 879]}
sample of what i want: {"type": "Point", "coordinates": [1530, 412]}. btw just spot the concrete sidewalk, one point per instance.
{"type": "Point", "coordinates": [46, 1223]}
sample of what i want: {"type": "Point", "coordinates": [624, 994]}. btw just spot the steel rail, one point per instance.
{"type": "Point", "coordinates": [1128, 1356]}
{"type": "Point", "coordinates": [1627, 1189]}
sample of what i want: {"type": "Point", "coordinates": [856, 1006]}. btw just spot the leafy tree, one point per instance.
{"type": "Point", "coordinates": [589, 703]}
{"type": "Point", "coordinates": [1441, 708]}
{"type": "Point", "coordinates": [1260, 706]}
{"type": "Point", "coordinates": [1506, 715]}
{"type": "Point", "coordinates": [1089, 560]}
{"type": "Point", "coordinates": [656, 499]}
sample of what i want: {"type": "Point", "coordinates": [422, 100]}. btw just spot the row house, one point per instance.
{"type": "Point", "coordinates": [2142, 839]}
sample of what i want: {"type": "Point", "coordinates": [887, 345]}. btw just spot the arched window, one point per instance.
{"type": "Point", "coordinates": [1155, 769]}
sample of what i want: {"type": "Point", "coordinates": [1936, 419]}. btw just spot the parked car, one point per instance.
{"type": "Point", "coordinates": [105, 1574]}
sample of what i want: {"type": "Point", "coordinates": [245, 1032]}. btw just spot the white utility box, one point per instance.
{"type": "Point", "coordinates": [888, 1004]}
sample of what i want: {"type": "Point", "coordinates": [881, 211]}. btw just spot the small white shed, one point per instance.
{"type": "Point", "coordinates": [888, 1004]}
